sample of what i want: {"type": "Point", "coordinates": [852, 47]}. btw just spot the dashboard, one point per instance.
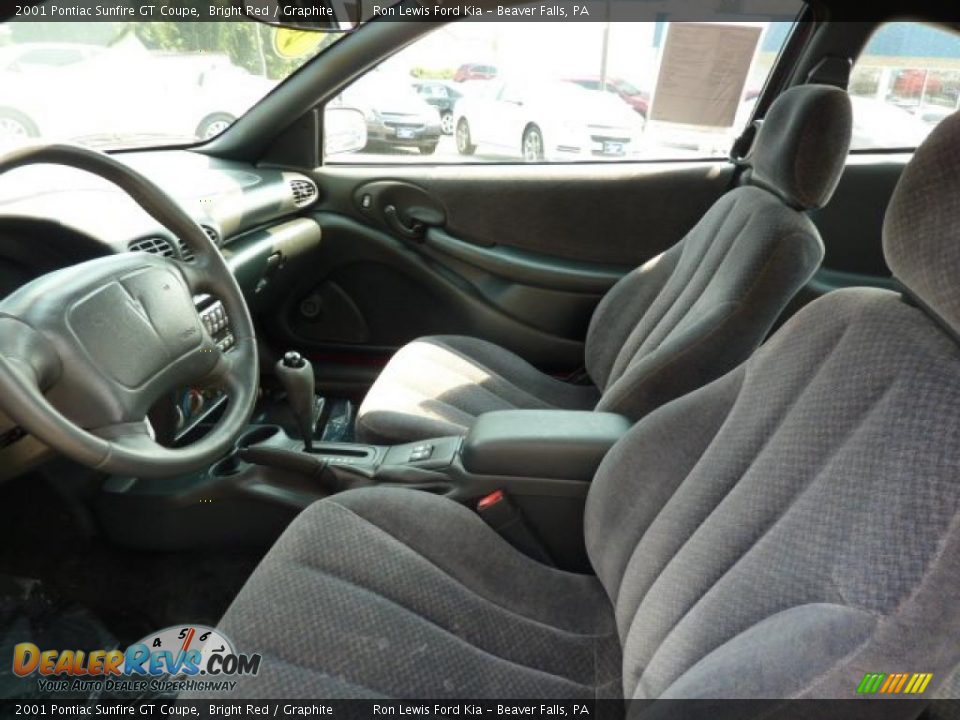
{"type": "Point", "coordinates": [259, 218]}
{"type": "Point", "coordinates": [227, 198]}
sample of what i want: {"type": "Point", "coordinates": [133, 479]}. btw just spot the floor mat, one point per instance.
{"type": "Point", "coordinates": [62, 586]}
{"type": "Point", "coordinates": [30, 612]}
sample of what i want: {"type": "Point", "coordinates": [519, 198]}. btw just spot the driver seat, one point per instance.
{"type": "Point", "coordinates": [778, 533]}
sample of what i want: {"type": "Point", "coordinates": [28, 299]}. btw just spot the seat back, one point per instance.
{"type": "Point", "coordinates": [795, 525]}
{"type": "Point", "coordinates": [698, 310]}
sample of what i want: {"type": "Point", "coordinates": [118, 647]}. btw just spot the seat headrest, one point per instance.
{"type": "Point", "coordinates": [802, 146]}
{"type": "Point", "coordinates": [921, 230]}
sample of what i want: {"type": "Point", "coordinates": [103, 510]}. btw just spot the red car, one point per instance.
{"type": "Point", "coordinates": [637, 99]}
{"type": "Point", "coordinates": [914, 82]}
{"type": "Point", "coordinates": [475, 71]}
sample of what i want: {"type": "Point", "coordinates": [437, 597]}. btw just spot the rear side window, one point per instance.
{"type": "Point", "coordinates": [542, 92]}
{"type": "Point", "coordinates": [905, 82]}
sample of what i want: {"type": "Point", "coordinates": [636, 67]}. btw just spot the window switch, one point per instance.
{"type": "Point", "coordinates": [421, 452]}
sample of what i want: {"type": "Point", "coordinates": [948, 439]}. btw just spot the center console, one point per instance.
{"type": "Point", "coordinates": [537, 463]}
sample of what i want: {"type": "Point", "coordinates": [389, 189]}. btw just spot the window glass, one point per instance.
{"type": "Point", "coordinates": [905, 82]}
{"type": "Point", "coordinates": [124, 85]}
{"type": "Point", "coordinates": [473, 92]}
{"type": "Point", "coordinates": [49, 58]}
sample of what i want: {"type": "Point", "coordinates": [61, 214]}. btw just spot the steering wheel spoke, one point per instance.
{"type": "Point", "coordinates": [195, 275]}
{"type": "Point", "coordinates": [137, 436]}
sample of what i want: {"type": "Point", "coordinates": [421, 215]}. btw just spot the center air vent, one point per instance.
{"type": "Point", "coordinates": [212, 234]}
{"type": "Point", "coordinates": [162, 246]}
{"type": "Point", "coordinates": [304, 192]}
{"type": "Point", "coordinates": [187, 255]}
{"type": "Point", "coordinates": [154, 245]}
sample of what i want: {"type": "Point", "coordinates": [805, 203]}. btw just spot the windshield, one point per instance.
{"type": "Point", "coordinates": [124, 85]}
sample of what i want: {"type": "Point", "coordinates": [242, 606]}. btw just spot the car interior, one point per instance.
{"type": "Point", "coordinates": [640, 429]}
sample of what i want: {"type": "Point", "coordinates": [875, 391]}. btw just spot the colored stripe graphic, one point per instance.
{"type": "Point", "coordinates": [894, 683]}
{"type": "Point", "coordinates": [870, 683]}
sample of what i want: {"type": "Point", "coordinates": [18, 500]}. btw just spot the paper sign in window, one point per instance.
{"type": "Point", "coordinates": [703, 70]}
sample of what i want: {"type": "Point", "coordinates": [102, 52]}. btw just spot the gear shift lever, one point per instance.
{"type": "Point", "coordinates": [296, 376]}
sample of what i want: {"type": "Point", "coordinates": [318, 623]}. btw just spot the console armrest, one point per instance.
{"type": "Point", "coordinates": [561, 444]}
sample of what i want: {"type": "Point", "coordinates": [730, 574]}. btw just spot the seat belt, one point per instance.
{"type": "Point", "coordinates": [500, 512]}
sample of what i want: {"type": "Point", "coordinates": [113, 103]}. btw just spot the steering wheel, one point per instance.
{"type": "Point", "coordinates": [87, 350]}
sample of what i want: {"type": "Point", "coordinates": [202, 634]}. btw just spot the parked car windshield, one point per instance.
{"type": "Point", "coordinates": [124, 85]}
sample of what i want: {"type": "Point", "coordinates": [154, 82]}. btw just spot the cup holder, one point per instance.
{"type": "Point", "coordinates": [257, 435]}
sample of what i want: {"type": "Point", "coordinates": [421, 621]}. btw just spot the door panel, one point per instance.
{"type": "Point", "coordinates": [608, 213]}
{"type": "Point", "coordinates": [524, 267]}
{"type": "Point", "coordinates": [852, 225]}
{"type": "Point", "coordinates": [514, 254]}
{"type": "Point", "coordinates": [852, 228]}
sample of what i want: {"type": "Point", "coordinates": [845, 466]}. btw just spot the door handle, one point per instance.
{"type": "Point", "coordinates": [415, 230]}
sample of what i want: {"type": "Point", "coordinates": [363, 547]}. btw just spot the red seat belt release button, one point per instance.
{"type": "Point", "coordinates": [488, 501]}
{"type": "Point", "coordinates": [499, 512]}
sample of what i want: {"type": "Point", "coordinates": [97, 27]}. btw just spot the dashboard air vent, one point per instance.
{"type": "Point", "coordinates": [212, 234]}
{"type": "Point", "coordinates": [154, 245]}
{"type": "Point", "coordinates": [186, 254]}
{"type": "Point", "coordinates": [304, 192]}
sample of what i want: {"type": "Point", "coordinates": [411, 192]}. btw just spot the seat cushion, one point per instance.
{"type": "Point", "coordinates": [437, 386]}
{"type": "Point", "coordinates": [363, 598]}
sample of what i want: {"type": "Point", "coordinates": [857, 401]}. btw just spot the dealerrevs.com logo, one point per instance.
{"type": "Point", "coordinates": [173, 659]}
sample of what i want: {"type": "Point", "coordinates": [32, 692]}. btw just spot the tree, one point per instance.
{"type": "Point", "coordinates": [248, 44]}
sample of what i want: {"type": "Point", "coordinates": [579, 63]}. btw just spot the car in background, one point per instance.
{"type": "Point", "coordinates": [629, 93]}
{"type": "Point", "coordinates": [224, 92]}
{"type": "Point", "coordinates": [475, 71]}
{"type": "Point", "coordinates": [121, 83]}
{"type": "Point", "coordinates": [396, 115]}
{"type": "Point", "coordinates": [443, 96]}
{"type": "Point", "coordinates": [45, 55]}
{"type": "Point", "coordinates": [553, 120]}
{"type": "Point", "coordinates": [916, 82]}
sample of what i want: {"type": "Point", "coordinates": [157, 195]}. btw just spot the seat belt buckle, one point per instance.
{"type": "Point", "coordinates": [500, 512]}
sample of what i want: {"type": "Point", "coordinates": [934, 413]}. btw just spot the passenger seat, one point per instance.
{"type": "Point", "coordinates": [673, 325]}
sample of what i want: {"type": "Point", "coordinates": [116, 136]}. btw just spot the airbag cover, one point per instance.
{"type": "Point", "coordinates": [135, 327]}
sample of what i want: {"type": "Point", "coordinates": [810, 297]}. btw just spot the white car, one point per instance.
{"type": "Point", "coordinates": [126, 91]}
{"type": "Point", "coordinates": [549, 120]}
